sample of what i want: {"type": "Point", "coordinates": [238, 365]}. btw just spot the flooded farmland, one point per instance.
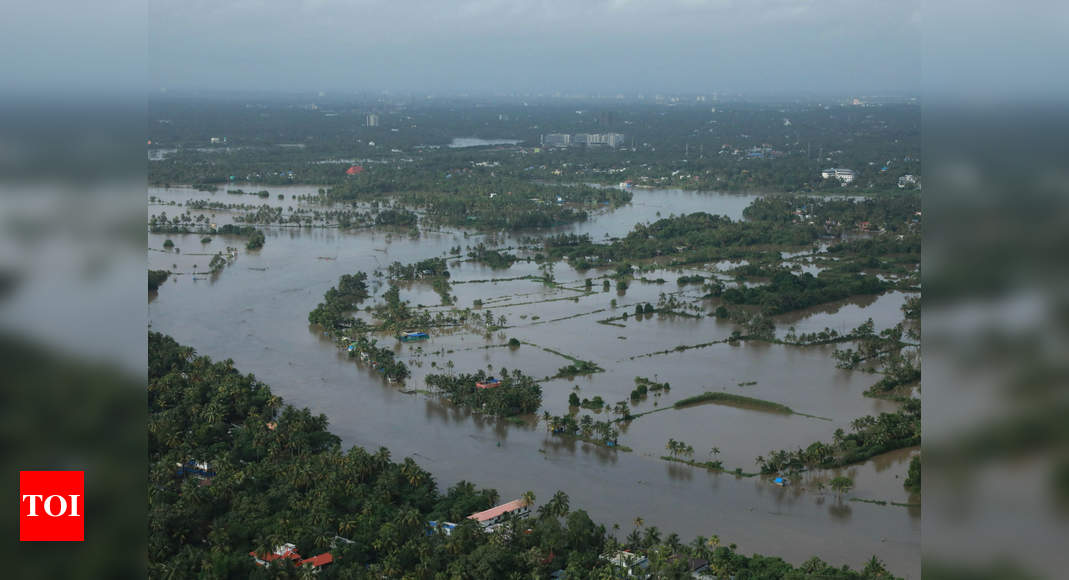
{"type": "Point", "coordinates": [255, 311]}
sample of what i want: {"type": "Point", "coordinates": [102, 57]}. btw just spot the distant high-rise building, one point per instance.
{"type": "Point", "coordinates": [613, 140]}
{"type": "Point", "coordinates": [372, 120]}
{"type": "Point", "coordinates": [557, 140]}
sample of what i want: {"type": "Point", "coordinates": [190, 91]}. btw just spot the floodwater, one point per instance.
{"type": "Point", "coordinates": [255, 312]}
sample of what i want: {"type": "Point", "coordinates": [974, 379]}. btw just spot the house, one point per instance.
{"type": "Point", "coordinates": [489, 383]}
{"type": "Point", "coordinates": [495, 515]}
{"type": "Point", "coordinates": [288, 551]}
{"type": "Point", "coordinates": [354, 170]}
{"type": "Point", "coordinates": [633, 564]}
{"type": "Point", "coordinates": [843, 175]}
{"type": "Point", "coordinates": [284, 552]}
{"type": "Point", "coordinates": [198, 469]}
{"type": "Point", "coordinates": [444, 527]}
{"type": "Point", "coordinates": [695, 566]}
{"type": "Point", "coordinates": [907, 180]}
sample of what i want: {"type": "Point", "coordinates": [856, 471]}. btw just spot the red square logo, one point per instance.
{"type": "Point", "coordinates": [51, 506]}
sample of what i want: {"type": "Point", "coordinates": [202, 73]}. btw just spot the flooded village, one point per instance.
{"type": "Point", "coordinates": [737, 365]}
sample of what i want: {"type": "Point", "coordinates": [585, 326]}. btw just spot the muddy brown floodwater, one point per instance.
{"type": "Point", "coordinates": [255, 312]}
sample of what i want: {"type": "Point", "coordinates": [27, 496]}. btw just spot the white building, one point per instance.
{"type": "Point", "coordinates": [557, 140]}
{"type": "Point", "coordinates": [633, 565]}
{"type": "Point", "coordinates": [843, 175]}
{"type": "Point", "coordinates": [908, 180]}
{"type": "Point", "coordinates": [495, 515]}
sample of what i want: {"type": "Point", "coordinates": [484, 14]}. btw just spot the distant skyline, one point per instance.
{"type": "Point", "coordinates": [760, 47]}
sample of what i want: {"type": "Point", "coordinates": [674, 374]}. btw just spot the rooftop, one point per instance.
{"type": "Point", "coordinates": [497, 511]}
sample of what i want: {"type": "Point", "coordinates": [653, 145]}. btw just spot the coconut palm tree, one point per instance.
{"type": "Point", "coordinates": [559, 504]}
{"type": "Point", "coordinates": [527, 499]}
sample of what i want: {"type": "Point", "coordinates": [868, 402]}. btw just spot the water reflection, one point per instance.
{"type": "Point", "coordinates": [677, 472]}
{"type": "Point", "coordinates": [840, 510]}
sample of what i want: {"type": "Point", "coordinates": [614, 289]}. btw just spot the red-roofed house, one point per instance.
{"type": "Point", "coordinates": [493, 516]}
{"type": "Point", "coordinates": [354, 170]}
{"type": "Point", "coordinates": [289, 552]}
{"type": "Point", "coordinates": [283, 552]}
{"type": "Point", "coordinates": [320, 560]}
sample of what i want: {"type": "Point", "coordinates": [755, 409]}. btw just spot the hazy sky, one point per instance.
{"type": "Point", "coordinates": [538, 46]}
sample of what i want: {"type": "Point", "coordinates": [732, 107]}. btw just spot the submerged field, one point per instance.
{"type": "Point", "coordinates": [732, 384]}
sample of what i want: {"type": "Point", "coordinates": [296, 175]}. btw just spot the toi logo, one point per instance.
{"type": "Point", "coordinates": [51, 506]}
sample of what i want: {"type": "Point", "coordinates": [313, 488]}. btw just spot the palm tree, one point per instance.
{"type": "Point", "coordinates": [558, 505]}
{"type": "Point", "coordinates": [527, 499]}
{"type": "Point", "coordinates": [653, 536]}
{"type": "Point", "coordinates": [638, 522]}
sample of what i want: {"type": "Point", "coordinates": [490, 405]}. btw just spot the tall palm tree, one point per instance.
{"type": "Point", "coordinates": [559, 504]}
{"type": "Point", "coordinates": [527, 499]}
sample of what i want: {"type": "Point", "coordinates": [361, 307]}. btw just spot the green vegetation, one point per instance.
{"type": "Point", "coordinates": [496, 259]}
{"type": "Point", "coordinates": [381, 358]}
{"type": "Point", "coordinates": [255, 236]}
{"type": "Point", "coordinates": [579, 367]}
{"type": "Point", "coordinates": [913, 477]}
{"type": "Point", "coordinates": [585, 428]}
{"type": "Point", "coordinates": [339, 301]}
{"type": "Point", "coordinates": [880, 353]}
{"type": "Point", "coordinates": [156, 278]}
{"type": "Point", "coordinates": [871, 436]}
{"type": "Point", "coordinates": [595, 404]}
{"type": "Point", "coordinates": [679, 449]}
{"type": "Point", "coordinates": [733, 400]}
{"type": "Point", "coordinates": [786, 292]}
{"type": "Point", "coordinates": [643, 386]}
{"type": "Point", "coordinates": [841, 484]}
{"type": "Point", "coordinates": [280, 476]}
{"type": "Point", "coordinates": [747, 151]}
{"type": "Point", "coordinates": [217, 263]}
{"type": "Point", "coordinates": [516, 394]}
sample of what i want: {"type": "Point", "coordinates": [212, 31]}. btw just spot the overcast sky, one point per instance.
{"type": "Point", "coordinates": [863, 47]}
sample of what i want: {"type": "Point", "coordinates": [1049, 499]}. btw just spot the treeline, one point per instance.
{"type": "Point", "coordinates": [786, 291]}
{"type": "Point", "coordinates": [477, 197]}
{"type": "Point", "coordinates": [496, 259]}
{"type": "Point", "coordinates": [339, 301]}
{"type": "Point", "coordinates": [381, 358]}
{"type": "Point", "coordinates": [588, 429]}
{"type": "Point", "coordinates": [870, 436]}
{"type": "Point", "coordinates": [734, 400]}
{"type": "Point", "coordinates": [516, 394]}
{"type": "Point", "coordinates": [157, 278]}
{"type": "Point", "coordinates": [696, 237]}
{"type": "Point", "coordinates": [255, 236]}
{"type": "Point", "coordinates": [892, 213]}
{"type": "Point", "coordinates": [429, 268]}
{"type": "Point", "coordinates": [280, 477]}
